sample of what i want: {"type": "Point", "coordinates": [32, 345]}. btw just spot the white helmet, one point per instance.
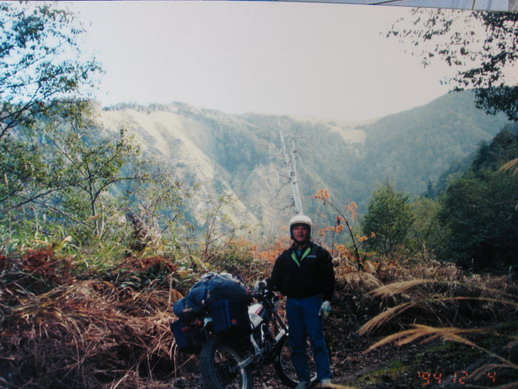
{"type": "Point", "coordinates": [300, 219]}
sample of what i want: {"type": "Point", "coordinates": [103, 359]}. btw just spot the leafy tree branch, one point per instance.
{"type": "Point", "coordinates": [38, 62]}
{"type": "Point", "coordinates": [482, 45]}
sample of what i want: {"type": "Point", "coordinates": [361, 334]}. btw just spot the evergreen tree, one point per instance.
{"type": "Point", "coordinates": [479, 209]}
{"type": "Point", "coordinates": [388, 220]}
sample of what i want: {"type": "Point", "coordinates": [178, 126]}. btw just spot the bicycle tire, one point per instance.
{"type": "Point", "coordinates": [218, 366]}
{"type": "Point", "coordinates": [283, 366]}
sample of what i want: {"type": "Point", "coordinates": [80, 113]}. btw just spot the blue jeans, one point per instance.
{"type": "Point", "coordinates": [303, 322]}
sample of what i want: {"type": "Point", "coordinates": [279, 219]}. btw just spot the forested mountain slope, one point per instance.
{"type": "Point", "coordinates": [413, 147]}
{"type": "Point", "coordinates": [239, 155]}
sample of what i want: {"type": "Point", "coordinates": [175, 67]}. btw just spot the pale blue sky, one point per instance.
{"type": "Point", "coordinates": [326, 60]}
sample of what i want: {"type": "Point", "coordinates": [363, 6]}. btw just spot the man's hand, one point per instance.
{"type": "Point", "coordinates": [325, 309]}
{"type": "Point", "coordinates": [260, 285]}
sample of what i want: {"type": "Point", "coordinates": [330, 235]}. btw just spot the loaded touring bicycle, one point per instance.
{"type": "Point", "coordinates": [232, 329]}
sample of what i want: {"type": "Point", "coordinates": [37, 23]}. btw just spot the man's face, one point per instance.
{"type": "Point", "coordinates": [300, 233]}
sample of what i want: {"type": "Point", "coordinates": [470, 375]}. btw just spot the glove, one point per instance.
{"type": "Point", "coordinates": [260, 285]}
{"type": "Point", "coordinates": [325, 309]}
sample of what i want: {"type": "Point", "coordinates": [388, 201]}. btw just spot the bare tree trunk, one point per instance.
{"type": "Point", "coordinates": [290, 162]}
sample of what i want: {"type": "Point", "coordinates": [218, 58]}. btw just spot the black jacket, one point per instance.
{"type": "Point", "coordinates": [312, 275]}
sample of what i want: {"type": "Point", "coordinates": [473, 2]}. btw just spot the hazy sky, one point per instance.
{"type": "Point", "coordinates": [327, 60]}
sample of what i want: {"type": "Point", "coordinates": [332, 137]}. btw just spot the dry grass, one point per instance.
{"type": "Point", "coordinates": [440, 301]}
{"type": "Point", "coordinates": [455, 302]}
{"type": "Point", "coordinates": [428, 333]}
{"type": "Point", "coordinates": [112, 329]}
{"type": "Point", "coordinates": [84, 334]}
{"type": "Point", "coordinates": [425, 334]}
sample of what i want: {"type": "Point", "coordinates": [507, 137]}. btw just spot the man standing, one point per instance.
{"type": "Point", "coordinates": [304, 273]}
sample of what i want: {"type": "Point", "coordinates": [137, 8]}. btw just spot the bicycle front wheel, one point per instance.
{"type": "Point", "coordinates": [219, 364]}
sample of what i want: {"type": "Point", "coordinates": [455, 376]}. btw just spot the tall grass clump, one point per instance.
{"type": "Point", "coordinates": [454, 308]}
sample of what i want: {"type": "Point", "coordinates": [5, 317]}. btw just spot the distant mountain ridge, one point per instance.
{"type": "Point", "coordinates": [239, 155]}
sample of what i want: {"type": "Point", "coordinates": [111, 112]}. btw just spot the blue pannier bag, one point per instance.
{"type": "Point", "coordinates": [211, 287]}
{"type": "Point", "coordinates": [186, 310]}
{"type": "Point", "coordinates": [179, 330]}
{"type": "Point", "coordinates": [224, 286]}
{"type": "Point", "coordinates": [230, 317]}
